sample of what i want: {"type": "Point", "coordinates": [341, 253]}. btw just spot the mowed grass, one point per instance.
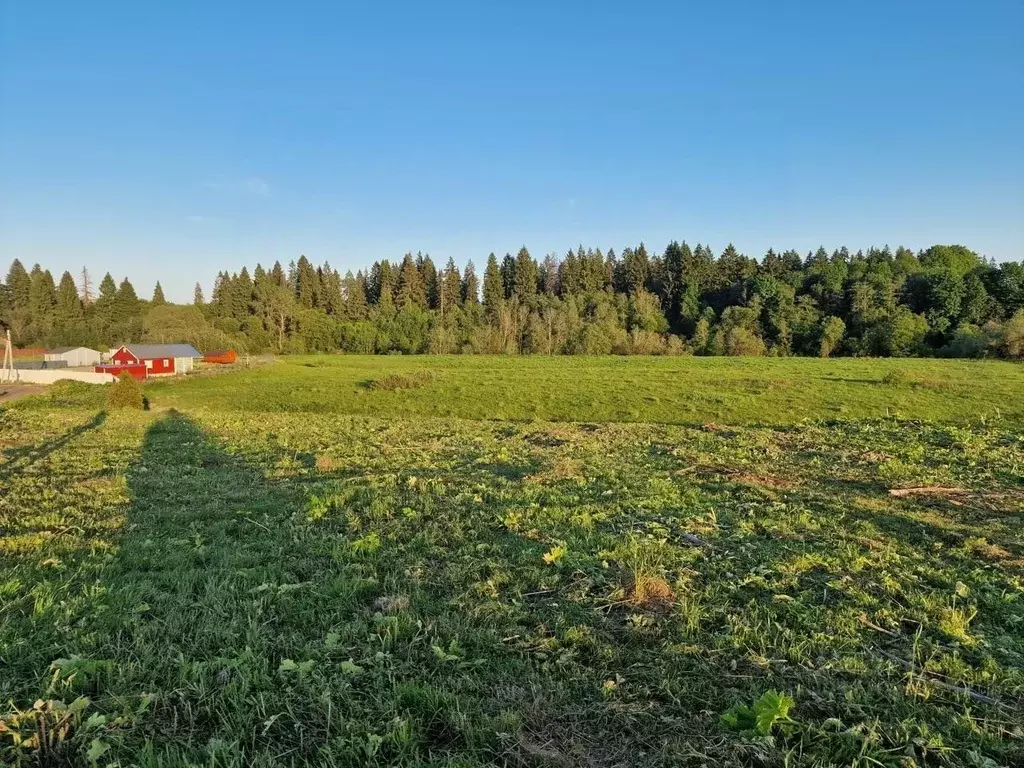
{"type": "Point", "coordinates": [671, 390]}
{"type": "Point", "coordinates": [229, 583]}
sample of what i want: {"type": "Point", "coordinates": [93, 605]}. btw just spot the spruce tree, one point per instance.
{"type": "Point", "coordinates": [450, 294]}
{"type": "Point", "coordinates": [524, 274]}
{"type": "Point", "coordinates": [508, 276]}
{"type": "Point", "coordinates": [470, 286]}
{"type": "Point", "coordinates": [197, 296]}
{"type": "Point", "coordinates": [411, 291]}
{"type": "Point", "coordinates": [494, 290]}
{"type": "Point", "coordinates": [431, 284]}
{"type": "Point", "coordinates": [19, 285]}
{"type": "Point", "coordinates": [68, 314]}
{"type": "Point", "coordinates": [158, 296]}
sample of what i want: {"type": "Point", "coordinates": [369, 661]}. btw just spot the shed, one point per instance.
{"type": "Point", "coordinates": [72, 357]}
{"type": "Point", "coordinates": [221, 356]}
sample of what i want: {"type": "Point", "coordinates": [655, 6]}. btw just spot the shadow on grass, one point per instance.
{"type": "Point", "coordinates": [19, 460]}
{"type": "Point", "coordinates": [206, 597]}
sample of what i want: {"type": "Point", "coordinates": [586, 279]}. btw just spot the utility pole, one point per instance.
{"type": "Point", "coordinates": [7, 373]}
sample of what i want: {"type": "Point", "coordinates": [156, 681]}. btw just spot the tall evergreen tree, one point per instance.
{"type": "Point", "coordinates": [431, 284]}
{"type": "Point", "coordinates": [411, 291]}
{"type": "Point", "coordinates": [126, 301]}
{"type": "Point", "coordinates": [19, 284]}
{"type": "Point", "coordinates": [158, 296]}
{"type": "Point", "coordinates": [197, 296]}
{"type": "Point", "coordinates": [494, 287]}
{"type": "Point", "coordinates": [508, 276]}
{"type": "Point", "coordinates": [470, 286]}
{"type": "Point", "coordinates": [450, 295]}
{"type": "Point", "coordinates": [524, 275]}
{"type": "Point", "coordinates": [307, 287]}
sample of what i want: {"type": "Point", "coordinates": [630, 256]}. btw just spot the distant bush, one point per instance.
{"type": "Point", "coordinates": [1011, 343]}
{"type": "Point", "coordinates": [968, 341]}
{"type": "Point", "coordinates": [68, 393]}
{"type": "Point", "coordinates": [396, 381]}
{"type": "Point", "coordinates": [126, 392]}
{"type": "Point", "coordinates": [896, 378]}
{"type": "Point", "coordinates": [742, 342]}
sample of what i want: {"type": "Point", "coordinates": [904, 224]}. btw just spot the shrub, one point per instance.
{"type": "Point", "coordinates": [831, 334]}
{"type": "Point", "coordinates": [74, 394]}
{"type": "Point", "coordinates": [396, 381]}
{"type": "Point", "coordinates": [1012, 342]}
{"type": "Point", "coordinates": [968, 341]}
{"type": "Point", "coordinates": [742, 342]}
{"type": "Point", "coordinates": [126, 392]}
{"type": "Point", "coordinates": [896, 378]}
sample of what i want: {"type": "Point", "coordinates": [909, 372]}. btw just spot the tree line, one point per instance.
{"type": "Point", "coordinates": [945, 300]}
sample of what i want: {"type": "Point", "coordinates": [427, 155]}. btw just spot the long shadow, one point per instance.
{"type": "Point", "coordinates": [206, 595]}
{"type": "Point", "coordinates": [19, 460]}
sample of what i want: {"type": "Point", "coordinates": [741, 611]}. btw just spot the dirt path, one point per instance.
{"type": "Point", "coordinates": [11, 392]}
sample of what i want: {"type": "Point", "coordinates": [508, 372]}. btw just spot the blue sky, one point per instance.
{"type": "Point", "coordinates": [169, 141]}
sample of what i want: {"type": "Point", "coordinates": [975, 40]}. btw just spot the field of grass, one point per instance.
{"type": "Point", "coordinates": [670, 390]}
{"type": "Point", "coordinates": [314, 563]}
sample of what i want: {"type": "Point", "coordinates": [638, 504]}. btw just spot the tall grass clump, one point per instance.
{"type": "Point", "coordinates": [395, 381]}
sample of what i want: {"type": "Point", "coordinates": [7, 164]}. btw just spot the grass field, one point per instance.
{"type": "Point", "coordinates": [468, 562]}
{"type": "Point", "coordinates": [655, 390]}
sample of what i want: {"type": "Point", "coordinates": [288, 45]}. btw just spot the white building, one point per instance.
{"type": "Point", "coordinates": [72, 357]}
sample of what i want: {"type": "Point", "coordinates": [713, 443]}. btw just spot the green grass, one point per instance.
{"type": "Point", "coordinates": [210, 587]}
{"type": "Point", "coordinates": [655, 390]}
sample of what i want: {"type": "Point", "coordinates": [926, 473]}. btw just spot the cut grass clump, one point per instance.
{"type": "Point", "coordinates": [396, 381]}
{"type": "Point", "coordinates": [126, 393]}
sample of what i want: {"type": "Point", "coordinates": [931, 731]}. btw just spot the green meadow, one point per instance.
{"type": "Point", "coordinates": [356, 561]}
{"type": "Point", "coordinates": [663, 390]}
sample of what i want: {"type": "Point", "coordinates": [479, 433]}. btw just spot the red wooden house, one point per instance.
{"type": "Point", "coordinates": [145, 360]}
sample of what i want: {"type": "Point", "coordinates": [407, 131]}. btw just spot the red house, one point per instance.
{"type": "Point", "coordinates": [145, 360]}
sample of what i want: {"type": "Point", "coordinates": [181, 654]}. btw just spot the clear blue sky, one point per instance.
{"type": "Point", "coordinates": [172, 140]}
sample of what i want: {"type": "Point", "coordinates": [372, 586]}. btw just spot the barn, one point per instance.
{"type": "Point", "coordinates": [145, 360]}
{"type": "Point", "coordinates": [72, 357]}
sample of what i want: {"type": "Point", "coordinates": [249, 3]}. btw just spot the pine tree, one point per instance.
{"type": "Point", "coordinates": [450, 293]}
{"type": "Point", "coordinates": [68, 313]}
{"type": "Point", "coordinates": [241, 295]}
{"type": "Point", "coordinates": [126, 302]}
{"type": "Point", "coordinates": [494, 290]}
{"type": "Point", "coordinates": [431, 285]}
{"type": "Point", "coordinates": [158, 296]}
{"type": "Point", "coordinates": [508, 276]}
{"type": "Point", "coordinates": [42, 300]}
{"type": "Point", "coordinates": [85, 287]}
{"type": "Point", "coordinates": [411, 291]}
{"type": "Point", "coordinates": [19, 284]}
{"type": "Point", "coordinates": [278, 276]}
{"type": "Point", "coordinates": [570, 275]}
{"type": "Point", "coordinates": [197, 296]}
{"type": "Point", "coordinates": [524, 275]}
{"type": "Point", "coordinates": [470, 286]}
{"type": "Point", "coordinates": [331, 295]}
{"type": "Point", "coordinates": [549, 274]}
{"type": "Point", "coordinates": [354, 290]}
{"type": "Point", "coordinates": [307, 286]}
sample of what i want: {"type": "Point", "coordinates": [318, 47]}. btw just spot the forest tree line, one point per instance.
{"type": "Point", "coordinates": [945, 300]}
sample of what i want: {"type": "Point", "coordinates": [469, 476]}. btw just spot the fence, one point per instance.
{"type": "Point", "coordinates": [48, 377]}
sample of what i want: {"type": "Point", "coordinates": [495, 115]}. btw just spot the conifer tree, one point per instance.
{"type": "Point", "coordinates": [470, 286]}
{"type": "Point", "coordinates": [494, 290]}
{"type": "Point", "coordinates": [158, 296]}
